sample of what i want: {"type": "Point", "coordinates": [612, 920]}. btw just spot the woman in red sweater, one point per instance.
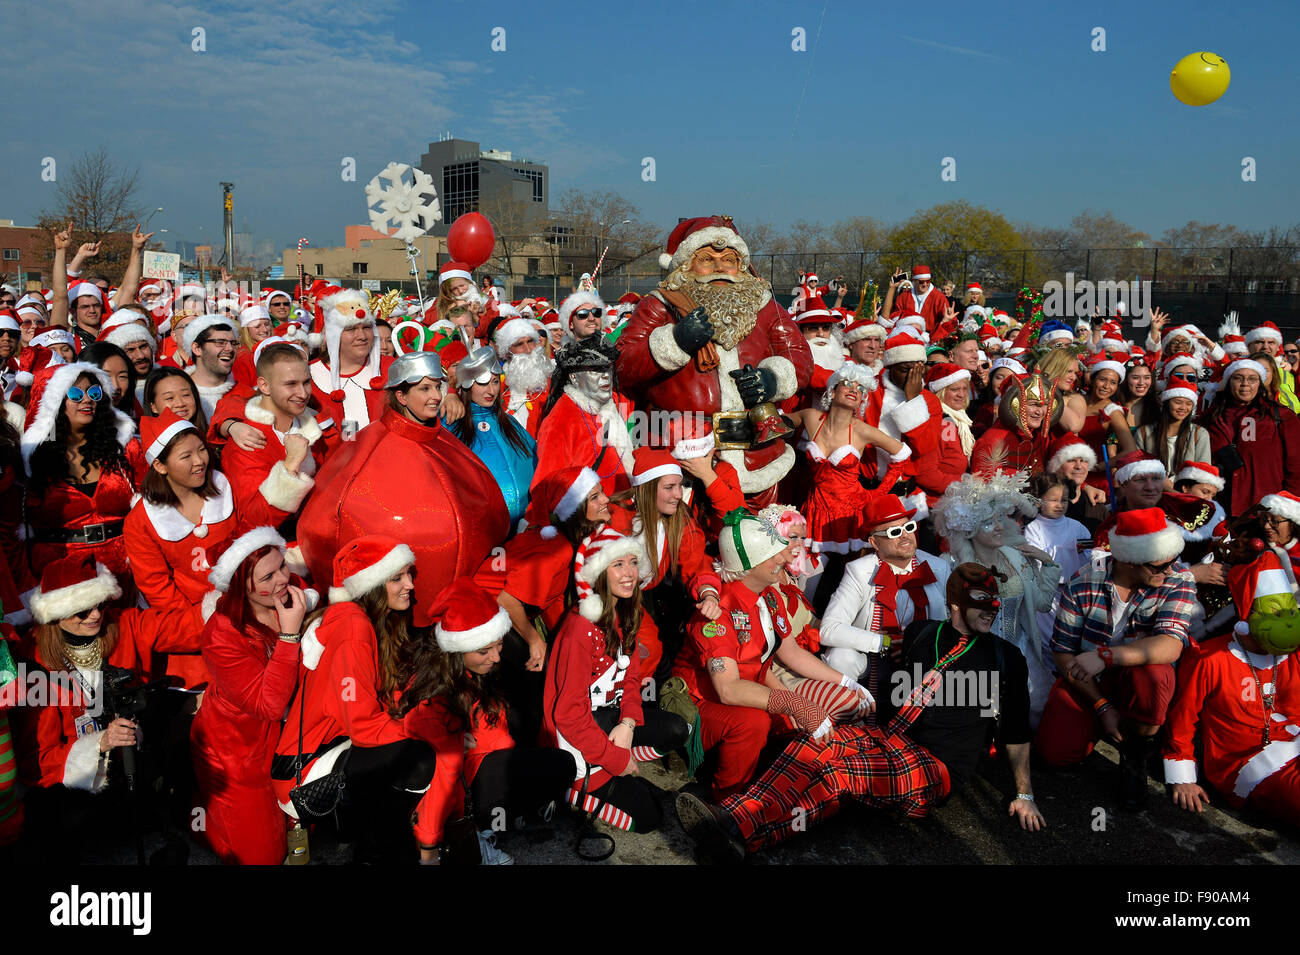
{"type": "Point", "coordinates": [454, 704]}
{"type": "Point", "coordinates": [250, 646]}
{"type": "Point", "coordinates": [593, 689]}
{"type": "Point", "coordinates": [1254, 440]}
{"type": "Point", "coordinates": [345, 715]}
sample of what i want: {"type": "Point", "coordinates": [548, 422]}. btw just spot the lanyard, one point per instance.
{"type": "Point", "coordinates": [1265, 699]}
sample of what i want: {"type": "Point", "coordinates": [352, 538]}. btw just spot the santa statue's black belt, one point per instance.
{"type": "Point", "coordinates": [733, 430]}
{"type": "Point", "coordinates": [89, 534]}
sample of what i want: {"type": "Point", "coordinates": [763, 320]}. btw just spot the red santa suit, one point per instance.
{"type": "Point", "coordinates": [66, 737]}
{"type": "Point", "coordinates": [582, 431]}
{"type": "Point", "coordinates": [233, 738]}
{"type": "Point", "coordinates": [170, 558]}
{"type": "Point", "coordinates": [1218, 697]}
{"type": "Point", "coordinates": [917, 422]}
{"type": "Point", "coordinates": [580, 677]}
{"type": "Point", "coordinates": [261, 477]}
{"type": "Point", "coordinates": [657, 374]}
{"type": "Point", "coordinates": [931, 306]}
{"type": "Point", "coordinates": [535, 570]}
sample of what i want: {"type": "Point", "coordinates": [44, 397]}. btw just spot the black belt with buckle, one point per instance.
{"type": "Point", "coordinates": [733, 429]}
{"type": "Point", "coordinates": [90, 534]}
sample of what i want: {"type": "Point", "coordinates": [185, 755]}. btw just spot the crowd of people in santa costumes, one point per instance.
{"type": "Point", "coordinates": [769, 550]}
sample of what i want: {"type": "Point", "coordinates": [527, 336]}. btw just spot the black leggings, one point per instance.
{"type": "Point", "coordinates": [628, 802]}
{"type": "Point", "coordinates": [519, 782]}
{"type": "Point", "coordinates": [384, 784]}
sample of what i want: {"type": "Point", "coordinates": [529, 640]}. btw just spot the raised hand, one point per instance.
{"type": "Point", "coordinates": [63, 239]}
{"type": "Point", "coordinates": [138, 238]}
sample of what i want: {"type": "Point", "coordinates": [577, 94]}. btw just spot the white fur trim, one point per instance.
{"type": "Point", "coordinates": [515, 330]}
{"type": "Point", "coordinates": [1070, 452]}
{"type": "Point", "coordinates": [64, 602]}
{"type": "Point", "coordinates": [576, 494]}
{"type": "Point", "coordinates": [662, 470]}
{"type": "Point", "coordinates": [1056, 334]}
{"type": "Point", "coordinates": [1200, 477]}
{"type": "Point", "coordinates": [866, 331]}
{"type": "Point", "coordinates": [664, 349]}
{"type": "Point", "coordinates": [82, 766]}
{"type": "Point", "coordinates": [124, 335]}
{"type": "Point", "coordinates": [1263, 333]}
{"type": "Point", "coordinates": [575, 301]}
{"type": "Point", "coordinates": [285, 491]}
{"type": "Point", "coordinates": [901, 353]}
{"type": "Point", "coordinates": [1179, 391]}
{"type": "Point", "coordinates": [770, 474]}
{"type": "Point", "coordinates": [702, 237]}
{"type": "Point", "coordinates": [368, 578]}
{"type": "Point", "coordinates": [171, 431]}
{"type": "Point", "coordinates": [787, 381]}
{"type": "Point", "coordinates": [239, 550]}
{"type": "Point", "coordinates": [1179, 771]}
{"type": "Point", "coordinates": [294, 560]}
{"type": "Point", "coordinates": [1282, 507]}
{"type": "Point", "coordinates": [475, 638]}
{"type": "Point", "coordinates": [598, 562]}
{"type": "Point", "coordinates": [911, 414]}
{"type": "Point", "coordinates": [311, 647]}
{"type": "Point", "coordinates": [1137, 469]}
{"type": "Point", "coordinates": [549, 532]}
{"type": "Point", "coordinates": [961, 374]}
{"type": "Point", "coordinates": [209, 605]}
{"type": "Point", "coordinates": [307, 424]}
{"type": "Point", "coordinates": [52, 396]}
{"type": "Point", "coordinates": [171, 525]}
{"type": "Point", "coordinates": [1245, 364]}
{"type": "Point", "coordinates": [197, 327]}
{"type": "Point", "coordinates": [1107, 365]}
{"type": "Point", "coordinates": [591, 605]}
{"type": "Point", "coordinates": [1147, 548]}
{"type": "Point", "coordinates": [687, 449]}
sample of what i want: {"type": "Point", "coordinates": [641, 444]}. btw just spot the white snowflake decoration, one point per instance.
{"type": "Point", "coordinates": [403, 205]}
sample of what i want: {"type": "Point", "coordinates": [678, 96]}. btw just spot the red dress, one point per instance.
{"type": "Point", "coordinates": [233, 738]}
{"type": "Point", "coordinates": [1095, 431]}
{"type": "Point", "coordinates": [837, 499]}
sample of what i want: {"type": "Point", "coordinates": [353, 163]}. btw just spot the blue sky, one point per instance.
{"type": "Point", "coordinates": [1041, 127]}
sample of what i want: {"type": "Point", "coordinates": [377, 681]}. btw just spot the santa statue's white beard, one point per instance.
{"type": "Point", "coordinates": [732, 305]}
{"type": "Point", "coordinates": [528, 374]}
{"type": "Point", "coordinates": [827, 354]}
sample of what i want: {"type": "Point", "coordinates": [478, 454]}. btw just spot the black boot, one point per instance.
{"type": "Point", "coordinates": [710, 828]}
{"type": "Point", "coordinates": [1133, 755]}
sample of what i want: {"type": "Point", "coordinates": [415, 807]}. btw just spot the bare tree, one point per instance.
{"type": "Point", "coordinates": [600, 219]}
{"type": "Point", "coordinates": [99, 198]}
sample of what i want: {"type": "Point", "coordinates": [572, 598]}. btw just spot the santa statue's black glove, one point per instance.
{"type": "Point", "coordinates": [755, 385]}
{"type": "Point", "coordinates": [693, 331]}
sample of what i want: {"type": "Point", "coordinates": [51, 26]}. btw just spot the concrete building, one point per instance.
{"type": "Point", "coordinates": [467, 176]}
{"type": "Point", "coordinates": [26, 255]}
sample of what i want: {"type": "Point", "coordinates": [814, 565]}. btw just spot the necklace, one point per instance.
{"type": "Point", "coordinates": [85, 658]}
{"type": "Point", "coordinates": [960, 637]}
{"type": "Point", "coordinates": [1265, 698]}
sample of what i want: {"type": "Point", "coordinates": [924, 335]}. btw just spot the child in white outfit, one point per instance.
{"type": "Point", "coordinates": [1058, 535]}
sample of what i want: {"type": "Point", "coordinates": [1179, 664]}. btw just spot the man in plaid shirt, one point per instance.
{"type": "Point", "coordinates": [1120, 628]}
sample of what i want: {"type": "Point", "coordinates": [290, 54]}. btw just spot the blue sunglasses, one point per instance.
{"type": "Point", "coordinates": [94, 393]}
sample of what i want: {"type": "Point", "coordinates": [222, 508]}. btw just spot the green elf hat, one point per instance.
{"type": "Point", "coordinates": [746, 541]}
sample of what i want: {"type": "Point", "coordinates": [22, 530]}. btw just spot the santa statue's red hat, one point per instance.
{"type": "Point", "coordinates": [691, 235]}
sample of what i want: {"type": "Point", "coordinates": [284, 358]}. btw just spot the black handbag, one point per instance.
{"type": "Point", "coordinates": [320, 797]}
{"type": "Point", "coordinates": [460, 845]}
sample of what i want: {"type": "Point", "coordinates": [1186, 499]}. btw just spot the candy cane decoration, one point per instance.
{"type": "Point", "coordinates": [302, 275]}
{"type": "Point", "coordinates": [596, 271]}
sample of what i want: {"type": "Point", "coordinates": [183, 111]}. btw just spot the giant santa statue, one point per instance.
{"type": "Point", "coordinates": [711, 340]}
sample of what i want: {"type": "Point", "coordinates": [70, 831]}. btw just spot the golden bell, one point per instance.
{"type": "Point", "coordinates": [768, 423]}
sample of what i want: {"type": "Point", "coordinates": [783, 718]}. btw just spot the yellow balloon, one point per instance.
{"type": "Point", "coordinates": [1200, 78]}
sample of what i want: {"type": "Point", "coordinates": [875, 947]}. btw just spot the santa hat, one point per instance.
{"type": "Point", "coordinates": [563, 492]}
{"type": "Point", "coordinates": [127, 333]}
{"type": "Point", "coordinates": [942, 374]}
{"type": "Point", "coordinates": [451, 353]}
{"type": "Point", "coordinates": [1179, 388]}
{"type": "Point", "coordinates": [239, 550]}
{"type": "Point", "coordinates": [691, 235]}
{"type": "Point", "coordinates": [1145, 536]}
{"type": "Point", "coordinates": [652, 463]}
{"type": "Point", "coordinates": [1269, 575]}
{"type": "Point", "coordinates": [1245, 364]}
{"type": "Point", "coordinates": [157, 432]}
{"type": "Point", "coordinates": [576, 301]}
{"type": "Point", "coordinates": [197, 327]}
{"type": "Point", "coordinates": [903, 347]}
{"type": "Point", "coordinates": [270, 340]}
{"type": "Point", "coordinates": [455, 270]}
{"type": "Point", "coordinates": [9, 321]}
{"type": "Point", "coordinates": [276, 293]}
{"type": "Point", "coordinates": [627, 298]}
{"type": "Point", "coordinates": [593, 557]}
{"type": "Point", "coordinates": [815, 312]}
{"type": "Point", "coordinates": [515, 330]}
{"type": "Point", "coordinates": [1136, 464]}
{"type": "Point", "coordinates": [32, 359]}
{"type": "Point", "coordinates": [72, 585]}
{"type": "Point", "coordinates": [1107, 361]}
{"type": "Point", "coordinates": [1266, 332]}
{"type": "Point", "coordinates": [365, 563]}
{"type": "Point", "coordinates": [913, 319]}
{"type": "Point", "coordinates": [974, 287]}
{"type": "Point", "coordinates": [1283, 504]}
{"type": "Point", "coordinates": [864, 328]}
{"type": "Point", "coordinates": [920, 273]}
{"type": "Point", "coordinates": [468, 618]}
{"type": "Point", "coordinates": [1112, 337]}
{"type": "Point", "coordinates": [1182, 331]}
{"type": "Point", "coordinates": [49, 390]}
{"type": "Point", "coordinates": [1069, 447]}
{"type": "Point", "coordinates": [1010, 364]}
{"type": "Point", "coordinates": [745, 542]}
{"type": "Point", "coordinates": [691, 437]}
{"type": "Point", "coordinates": [341, 310]}
{"type": "Point", "coordinates": [1055, 330]}
{"type": "Point", "coordinates": [1200, 472]}
{"type": "Point", "coordinates": [1176, 361]}
{"type": "Point", "coordinates": [989, 335]}
{"type": "Point", "coordinates": [1235, 345]}
{"type": "Point", "coordinates": [254, 313]}
{"type": "Point", "coordinates": [87, 289]}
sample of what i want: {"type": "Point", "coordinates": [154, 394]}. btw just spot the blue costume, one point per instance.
{"type": "Point", "coordinates": [512, 468]}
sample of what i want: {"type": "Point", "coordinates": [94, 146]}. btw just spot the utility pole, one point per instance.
{"type": "Point", "coordinates": [228, 205]}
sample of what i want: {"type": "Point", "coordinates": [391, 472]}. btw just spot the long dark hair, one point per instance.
{"type": "Point", "coordinates": [468, 434]}
{"type": "Point", "coordinates": [436, 673]}
{"type": "Point", "coordinates": [99, 352]}
{"type": "Point", "coordinates": [1160, 431]}
{"type": "Point", "coordinates": [644, 500]}
{"type": "Point", "coordinates": [161, 374]}
{"type": "Point", "coordinates": [620, 618]}
{"type": "Point", "coordinates": [49, 462]}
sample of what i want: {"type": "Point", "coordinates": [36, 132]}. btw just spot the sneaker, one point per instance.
{"type": "Point", "coordinates": [487, 844]}
{"type": "Point", "coordinates": [709, 827]}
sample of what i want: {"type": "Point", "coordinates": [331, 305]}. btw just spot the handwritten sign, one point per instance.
{"type": "Point", "coordinates": [370, 285]}
{"type": "Point", "coordinates": [162, 265]}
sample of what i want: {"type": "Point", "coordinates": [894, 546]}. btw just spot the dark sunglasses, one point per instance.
{"type": "Point", "coordinates": [584, 312]}
{"type": "Point", "coordinates": [94, 393]}
{"type": "Point", "coordinates": [98, 608]}
{"type": "Point", "coordinates": [1160, 568]}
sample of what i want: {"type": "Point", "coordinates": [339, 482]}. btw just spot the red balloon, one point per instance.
{"type": "Point", "coordinates": [420, 485]}
{"type": "Point", "coordinates": [471, 239]}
